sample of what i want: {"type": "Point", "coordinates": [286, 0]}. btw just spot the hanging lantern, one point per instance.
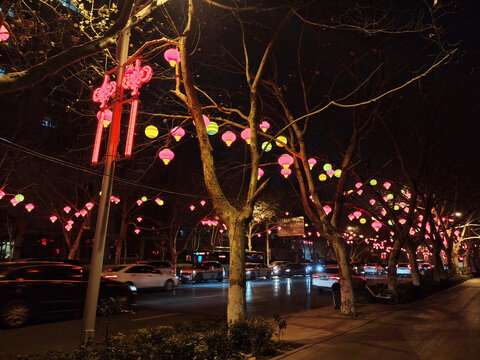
{"type": "Point", "coordinates": [68, 227]}
{"type": "Point", "coordinates": [172, 55]}
{"type": "Point", "coordinates": [358, 185]}
{"type": "Point", "coordinates": [337, 173]}
{"type": "Point", "coordinates": [351, 217]}
{"type": "Point", "coordinates": [264, 125]}
{"type": "Point", "coordinates": [77, 214]}
{"type": "Point", "coordinates": [139, 219]}
{"type": "Point", "coordinates": [267, 146]}
{"type": "Point", "coordinates": [29, 207]}
{"type": "Point", "coordinates": [385, 198]}
{"type": "Point", "coordinates": [144, 198]}
{"type": "Point", "coordinates": [383, 212]}
{"type": "Point", "coordinates": [139, 202]}
{"type": "Point", "coordinates": [159, 201]}
{"type": "Point", "coordinates": [67, 209]}
{"type": "Point", "coordinates": [105, 116]}
{"type": "Point", "coordinates": [285, 160]}
{"type": "Point", "coordinates": [2, 194]}
{"type": "Point", "coordinates": [166, 155]}
{"type": "Point", "coordinates": [260, 173]}
{"type": "Point", "coordinates": [402, 221]}
{"type": "Point", "coordinates": [83, 212]}
{"type": "Point", "coordinates": [286, 172]}
{"type": "Point", "coordinates": [137, 231]}
{"type": "Point", "coordinates": [19, 198]}
{"type": "Point", "coordinates": [373, 182]}
{"type": "Point", "coordinates": [229, 137]}
{"type": "Point", "coordinates": [327, 167]}
{"type": "Point", "coordinates": [360, 192]}
{"type": "Point", "coordinates": [206, 120]}
{"type": "Point", "coordinates": [327, 209]}
{"type": "Point", "coordinates": [177, 132]}
{"type": "Point", "coordinates": [4, 34]}
{"type": "Point", "coordinates": [377, 225]}
{"type": "Point", "coordinates": [330, 172]}
{"type": "Point", "coordinates": [322, 177]}
{"type": "Point", "coordinates": [357, 214]}
{"type": "Point", "coordinates": [53, 218]}
{"type": "Point", "coordinates": [212, 128]}
{"type": "Point", "coordinates": [246, 135]}
{"type": "Point", "coordinates": [387, 185]}
{"type": "Point", "coordinates": [202, 202]}
{"type": "Point", "coordinates": [151, 131]}
{"type": "Point", "coordinates": [70, 222]}
{"type": "Point", "coordinates": [89, 206]}
{"type": "Point", "coordinates": [281, 141]}
{"type": "Point", "coordinates": [363, 221]}
{"type": "Point", "coordinates": [372, 201]}
{"type": "Point", "coordinates": [412, 231]}
{"type": "Point", "coordinates": [311, 163]}
{"type": "Point", "coordinates": [192, 207]}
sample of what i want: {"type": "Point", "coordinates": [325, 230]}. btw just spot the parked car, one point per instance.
{"type": "Point", "coordinates": [425, 267]}
{"type": "Point", "coordinates": [142, 276]}
{"type": "Point", "coordinates": [164, 266]}
{"type": "Point", "coordinates": [278, 266]}
{"type": "Point", "coordinates": [404, 270]}
{"type": "Point", "coordinates": [255, 270]}
{"type": "Point", "coordinates": [292, 269]}
{"type": "Point", "coordinates": [373, 269]}
{"type": "Point", "coordinates": [203, 271]}
{"type": "Point", "coordinates": [329, 279]}
{"type": "Point", "coordinates": [30, 289]}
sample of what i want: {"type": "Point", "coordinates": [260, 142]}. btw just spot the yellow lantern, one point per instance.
{"type": "Point", "coordinates": [281, 141]}
{"type": "Point", "coordinates": [151, 132]}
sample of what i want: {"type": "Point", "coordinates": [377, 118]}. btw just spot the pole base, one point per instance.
{"type": "Point", "coordinates": [87, 337]}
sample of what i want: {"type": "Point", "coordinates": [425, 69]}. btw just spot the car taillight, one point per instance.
{"type": "Point", "coordinates": [315, 276]}
{"type": "Point", "coordinates": [335, 277]}
{"type": "Point", "coordinates": [111, 276]}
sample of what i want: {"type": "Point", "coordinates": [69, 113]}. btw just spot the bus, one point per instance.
{"type": "Point", "coordinates": [222, 255]}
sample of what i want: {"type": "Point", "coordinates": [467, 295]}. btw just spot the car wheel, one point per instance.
{"type": "Point", "coordinates": [169, 285]}
{"type": "Point", "coordinates": [15, 313]}
{"type": "Point", "coordinates": [220, 278]}
{"type": "Point", "coordinates": [198, 278]}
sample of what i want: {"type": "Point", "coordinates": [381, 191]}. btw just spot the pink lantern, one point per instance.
{"type": "Point", "coordinates": [372, 201]}
{"type": "Point", "coordinates": [2, 194]}
{"type": "Point", "coordinates": [351, 217]}
{"type": "Point", "coordinates": [330, 172]}
{"type": "Point", "coordinates": [105, 117]}
{"type": "Point", "coordinates": [14, 201]}
{"type": "Point", "coordinates": [83, 212]}
{"type": "Point", "coordinates": [402, 204]}
{"type": "Point", "coordinates": [192, 207]}
{"type": "Point", "coordinates": [206, 120]}
{"type": "Point", "coordinates": [377, 225]}
{"type": "Point", "coordinates": [68, 227]}
{"type": "Point", "coordinates": [29, 207]}
{"type": "Point", "coordinates": [137, 231]}
{"type": "Point", "coordinates": [67, 209]}
{"type": "Point", "coordinates": [172, 55]}
{"type": "Point", "coordinates": [139, 219]}
{"type": "Point", "coordinates": [383, 212]}
{"type": "Point", "coordinates": [177, 132]}
{"type": "Point", "coordinates": [402, 221]}
{"type": "Point", "coordinates": [260, 173]}
{"type": "Point", "coordinates": [229, 137]}
{"type": "Point", "coordinates": [327, 209]}
{"type": "Point", "coordinates": [77, 214]}
{"type": "Point", "coordinates": [4, 34]}
{"type": "Point", "coordinates": [264, 125]}
{"type": "Point", "coordinates": [360, 192]}
{"type": "Point", "coordinates": [89, 206]}
{"type": "Point", "coordinates": [358, 185]}
{"type": "Point", "coordinates": [385, 198]}
{"type": "Point", "coordinates": [357, 214]}
{"type": "Point", "coordinates": [166, 155]}
{"type": "Point", "coordinates": [286, 172]}
{"type": "Point", "coordinates": [311, 163]}
{"type": "Point", "coordinates": [202, 202]}
{"type": "Point", "coordinates": [53, 218]}
{"type": "Point", "coordinates": [412, 231]}
{"type": "Point", "coordinates": [285, 161]}
{"type": "Point", "coordinates": [387, 185]}
{"type": "Point", "coordinates": [159, 201]}
{"type": "Point", "coordinates": [246, 135]}
{"type": "Point", "coordinates": [70, 222]}
{"type": "Point", "coordinates": [139, 202]}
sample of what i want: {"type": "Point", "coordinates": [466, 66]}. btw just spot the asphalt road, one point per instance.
{"type": "Point", "coordinates": [188, 302]}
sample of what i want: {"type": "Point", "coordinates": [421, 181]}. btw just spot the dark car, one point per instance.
{"type": "Point", "coordinates": [292, 269]}
{"type": "Point", "coordinates": [30, 289]}
{"type": "Point", "coordinates": [203, 271]}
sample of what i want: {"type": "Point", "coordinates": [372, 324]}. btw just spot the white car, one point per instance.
{"type": "Point", "coordinates": [164, 266]}
{"type": "Point", "coordinates": [142, 276]}
{"type": "Point", "coordinates": [329, 279]}
{"type": "Point", "coordinates": [257, 270]}
{"type": "Point", "coordinates": [404, 270]}
{"type": "Point", "coordinates": [373, 268]}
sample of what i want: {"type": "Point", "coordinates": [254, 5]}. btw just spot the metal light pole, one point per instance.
{"type": "Point", "coordinates": [90, 311]}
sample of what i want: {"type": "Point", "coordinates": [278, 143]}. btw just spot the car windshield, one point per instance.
{"type": "Point", "coordinates": [115, 268]}
{"type": "Point", "coordinates": [198, 266]}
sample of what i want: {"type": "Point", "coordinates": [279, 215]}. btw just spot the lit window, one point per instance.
{"type": "Point", "coordinates": [69, 4]}
{"type": "Point", "coordinates": [2, 71]}
{"type": "Point", "coordinates": [48, 122]}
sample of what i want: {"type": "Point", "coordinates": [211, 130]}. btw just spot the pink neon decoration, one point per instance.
{"type": "Point", "coordinates": [372, 201]}
{"type": "Point", "coordinates": [53, 218]}
{"type": "Point", "coordinates": [246, 135]}
{"type": "Point", "coordinates": [83, 212]}
{"type": "Point", "coordinates": [264, 125]}
{"type": "Point", "coordinates": [285, 161]}
{"type": "Point", "coordinates": [98, 137]}
{"type": "Point", "coordinates": [105, 117]}
{"type": "Point", "coordinates": [67, 209]}
{"type": "Point", "coordinates": [104, 92]}
{"type": "Point", "coordinates": [4, 34]}
{"type": "Point", "coordinates": [172, 55]}
{"type": "Point", "coordinates": [286, 172]}
{"type": "Point", "coordinates": [136, 76]}
{"type": "Point", "coordinates": [377, 225]}
{"type": "Point", "coordinates": [29, 207]}
{"type": "Point", "coordinates": [177, 132]}
{"type": "Point", "coordinates": [131, 127]}
{"type": "Point", "coordinates": [229, 137]}
{"type": "Point", "coordinates": [387, 185]}
{"type": "Point", "coordinates": [137, 231]}
{"type": "Point", "coordinates": [327, 209]}
{"type": "Point", "coordinates": [166, 155]}
{"type": "Point", "coordinates": [260, 173]}
{"type": "Point", "coordinates": [2, 194]}
{"type": "Point", "coordinates": [358, 185]}
{"type": "Point", "coordinates": [311, 163]}
{"type": "Point", "coordinates": [357, 214]}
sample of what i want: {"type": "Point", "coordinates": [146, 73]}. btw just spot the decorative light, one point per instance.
{"type": "Point", "coordinates": [192, 207]}
{"type": "Point", "coordinates": [172, 55]}
{"type": "Point", "coordinates": [327, 167]}
{"type": "Point", "coordinates": [151, 131]}
{"type": "Point", "coordinates": [4, 34]}
{"type": "Point", "coordinates": [330, 172]}
{"type": "Point", "coordinates": [311, 163]}
{"type": "Point", "coordinates": [83, 212]}
{"type": "Point", "coordinates": [53, 218]}
{"type": "Point", "coordinates": [387, 185]}
{"type": "Point", "coordinates": [166, 155]}
{"type": "Point", "coordinates": [390, 196]}
{"type": "Point", "coordinates": [363, 221]}
{"type": "Point", "coordinates": [137, 231]}
{"type": "Point", "coordinates": [212, 128]}
{"type": "Point", "coordinates": [29, 207]}
{"type": "Point", "coordinates": [206, 120]}
{"type": "Point", "coordinates": [377, 225]}
{"type": "Point", "coordinates": [281, 141]}
{"type": "Point", "coordinates": [264, 125]}
{"type": "Point", "coordinates": [373, 182]}
{"type": "Point", "coordinates": [229, 137]}
{"type": "Point", "coordinates": [144, 198]}
{"type": "Point", "coordinates": [358, 185]}
{"type": "Point", "coordinates": [357, 214]}
{"type": "Point", "coordinates": [322, 177]}
{"type": "Point", "coordinates": [246, 135]}
{"type": "Point", "coordinates": [139, 202]}
{"type": "Point", "coordinates": [267, 146]}
{"type": "Point", "coordinates": [159, 201]}
{"type": "Point", "coordinates": [2, 194]}
{"type": "Point", "coordinates": [286, 172]}
{"type": "Point", "coordinates": [139, 219]}
{"type": "Point", "coordinates": [360, 192]}
{"type": "Point", "coordinates": [260, 173]}
{"type": "Point", "coordinates": [19, 198]}
{"type": "Point", "coordinates": [68, 227]}
{"type": "Point", "coordinates": [67, 209]}
{"type": "Point", "coordinates": [77, 214]}
{"type": "Point", "coordinates": [70, 222]}
{"type": "Point", "coordinates": [402, 221]}
{"type": "Point", "coordinates": [285, 160]}
{"type": "Point", "coordinates": [351, 217]}
{"type": "Point", "coordinates": [177, 132]}
{"type": "Point", "coordinates": [327, 209]}
{"type": "Point", "coordinates": [338, 173]}
{"type": "Point", "coordinates": [202, 202]}
{"type": "Point", "coordinates": [89, 205]}
{"type": "Point", "coordinates": [372, 201]}
{"type": "Point", "coordinates": [105, 117]}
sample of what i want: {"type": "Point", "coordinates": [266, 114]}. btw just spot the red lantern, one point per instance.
{"type": "Point", "coordinates": [172, 55]}
{"type": "Point", "coordinates": [229, 137]}
{"type": "Point", "coordinates": [166, 155]}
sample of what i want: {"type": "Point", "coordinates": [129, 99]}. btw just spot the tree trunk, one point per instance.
{"type": "Point", "coordinates": [437, 264]}
{"type": "Point", "coordinates": [392, 265]}
{"type": "Point", "coordinates": [412, 259]}
{"type": "Point", "coordinates": [236, 309]}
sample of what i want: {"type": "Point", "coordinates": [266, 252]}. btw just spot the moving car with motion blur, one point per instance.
{"type": "Point", "coordinates": [203, 271]}
{"type": "Point", "coordinates": [164, 266]}
{"type": "Point", "coordinates": [329, 279]}
{"type": "Point", "coordinates": [31, 289]}
{"type": "Point", "coordinates": [293, 269]}
{"type": "Point", "coordinates": [257, 270]}
{"type": "Point", "coordinates": [373, 269]}
{"type": "Point", "coordinates": [142, 276]}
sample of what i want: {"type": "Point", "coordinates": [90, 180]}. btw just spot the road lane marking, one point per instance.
{"type": "Point", "coordinates": [155, 317]}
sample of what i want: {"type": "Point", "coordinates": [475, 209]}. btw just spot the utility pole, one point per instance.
{"type": "Point", "coordinates": [267, 245]}
{"type": "Point", "coordinates": [90, 310]}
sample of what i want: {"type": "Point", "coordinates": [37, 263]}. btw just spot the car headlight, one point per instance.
{"type": "Point", "coordinates": [194, 272]}
{"type": "Point", "coordinates": [275, 268]}
{"type": "Point", "coordinates": [181, 271]}
{"type": "Point", "coordinates": [287, 270]}
{"type": "Point", "coordinates": [248, 272]}
{"type": "Point", "coordinates": [319, 268]}
{"type": "Point", "coordinates": [132, 288]}
{"type": "Point", "coordinates": [309, 268]}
